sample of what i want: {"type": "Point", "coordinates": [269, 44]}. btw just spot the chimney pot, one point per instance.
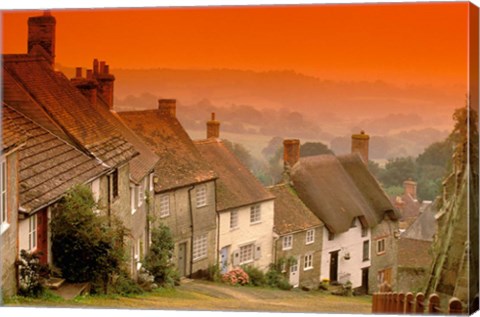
{"type": "Point", "coordinates": [106, 69]}
{"type": "Point", "coordinates": [167, 107]}
{"type": "Point", "coordinates": [41, 32]}
{"type": "Point", "coordinates": [291, 152]}
{"type": "Point", "coordinates": [213, 127]}
{"type": "Point", "coordinates": [360, 145]}
{"type": "Point", "coordinates": [102, 67]}
{"type": "Point", "coordinates": [78, 72]}
{"type": "Point", "coordinates": [89, 74]}
{"type": "Point", "coordinates": [95, 66]}
{"type": "Point", "coordinates": [410, 187]}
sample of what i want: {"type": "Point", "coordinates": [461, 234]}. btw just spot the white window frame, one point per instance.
{"type": "Point", "coordinates": [381, 247]}
{"type": "Point", "coordinates": [164, 205]}
{"type": "Point", "coordinates": [200, 247]}
{"type": "Point", "coordinates": [366, 251]}
{"type": "Point", "coordinates": [201, 195]}
{"type": "Point", "coordinates": [32, 233]}
{"type": "Point", "coordinates": [287, 242]}
{"type": "Point", "coordinates": [3, 197]}
{"type": "Point", "coordinates": [255, 214]}
{"type": "Point", "coordinates": [234, 219]}
{"type": "Point", "coordinates": [310, 236]}
{"type": "Point", "coordinates": [141, 195]}
{"type": "Point", "coordinates": [133, 195]}
{"type": "Point", "coordinates": [308, 262]}
{"type": "Point", "coordinates": [246, 253]}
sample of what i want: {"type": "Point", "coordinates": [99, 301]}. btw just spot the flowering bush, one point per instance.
{"type": "Point", "coordinates": [236, 276]}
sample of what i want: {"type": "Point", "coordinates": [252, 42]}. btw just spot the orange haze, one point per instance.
{"type": "Point", "coordinates": [399, 43]}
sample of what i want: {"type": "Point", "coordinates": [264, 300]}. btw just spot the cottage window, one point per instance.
{"type": "Point", "coordinates": [310, 236]}
{"type": "Point", "coordinates": [287, 242]}
{"type": "Point", "coordinates": [3, 197]}
{"type": "Point", "coordinates": [201, 192]}
{"type": "Point", "coordinates": [132, 199]}
{"type": "Point", "coordinates": [141, 195]}
{"type": "Point", "coordinates": [255, 214]}
{"type": "Point", "coordinates": [164, 205]}
{"type": "Point", "coordinates": [366, 250]}
{"type": "Point", "coordinates": [32, 233]}
{"type": "Point", "coordinates": [246, 253]}
{"type": "Point", "coordinates": [308, 262]}
{"type": "Point", "coordinates": [381, 246]}
{"type": "Point", "coordinates": [200, 247]}
{"type": "Point", "coordinates": [115, 183]}
{"type": "Point", "coordinates": [233, 219]}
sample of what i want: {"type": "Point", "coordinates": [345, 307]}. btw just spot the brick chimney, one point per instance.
{"type": "Point", "coordinates": [213, 127]}
{"type": "Point", "coordinates": [360, 145]}
{"type": "Point", "coordinates": [291, 152]}
{"type": "Point", "coordinates": [105, 81]}
{"type": "Point", "coordinates": [88, 86]}
{"type": "Point", "coordinates": [41, 31]}
{"type": "Point", "coordinates": [167, 107]}
{"type": "Point", "coordinates": [410, 187]}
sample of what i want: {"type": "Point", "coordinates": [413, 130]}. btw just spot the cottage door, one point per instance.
{"type": "Point", "coordinates": [334, 266]}
{"type": "Point", "coordinates": [224, 260]}
{"type": "Point", "coordinates": [182, 259]}
{"type": "Point", "coordinates": [294, 273]}
{"type": "Point", "coordinates": [42, 235]}
{"type": "Point", "coordinates": [365, 279]}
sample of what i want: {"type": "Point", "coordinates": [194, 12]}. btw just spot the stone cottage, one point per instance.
{"type": "Point", "coordinates": [185, 188]}
{"type": "Point", "coordinates": [244, 207]}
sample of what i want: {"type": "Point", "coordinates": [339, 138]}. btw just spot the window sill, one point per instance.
{"type": "Point", "coordinates": [199, 259]}
{"type": "Point", "coordinates": [246, 262]}
{"type": "Point", "coordinates": [134, 211]}
{"type": "Point", "coordinates": [308, 268]}
{"type": "Point", "coordinates": [233, 229]}
{"type": "Point", "coordinates": [201, 206]}
{"type": "Point", "coordinates": [164, 216]}
{"type": "Point", "coordinates": [286, 249]}
{"type": "Point", "coordinates": [4, 227]}
{"type": "Point", "coordinates": [308, 243]}
{"type": "Point", "coordinates": [255, 223]}
{"type": "Point", "coordinates": [381, 253]}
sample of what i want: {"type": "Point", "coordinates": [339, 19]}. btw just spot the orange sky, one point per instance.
{"type": "Point", "coordinates": [398, 43]}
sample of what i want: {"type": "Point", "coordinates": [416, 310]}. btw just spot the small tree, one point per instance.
{"type": "Point", "coordinates": [158, 261]}
{"type": "Point", "coordinates": [86, 247]}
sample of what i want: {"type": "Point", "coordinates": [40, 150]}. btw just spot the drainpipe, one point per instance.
{"type": "Point", "coordinates": [193, 231]}
{"type": "Point", "coordinates": [218, 222]}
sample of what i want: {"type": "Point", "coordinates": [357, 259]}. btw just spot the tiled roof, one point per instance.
{"type": "Point", "coordinates": [291, 214]}
{"type": "Point", "coordinates": [48, 166]}
{"type": "Point", "coordinates": [12, 134]}
{"type": "Point", "coordinates": [339, 189]}
{"type": "Point", "coordinates": [236, 186]}
{"type": "Point", "coordinates": [180, 162]}
{"type": "Point", "coordinates": [66, 107]}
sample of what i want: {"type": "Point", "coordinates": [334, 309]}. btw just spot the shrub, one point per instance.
{"type": "Point", "coordinates": [124, 285]}
{"type": "Point", "coordinates": [236, 276]}
{"type": "Point", "coordinates": [256, 276]}
{"type": "Point", "coordinates": [276, 279]}
{"type": "Point", "coordinates": [158, 261]}
{"type": "Point", "coordinates": [86, 247]}
{"type": "Point", "coordinates": [213, 273]}
{"type": "Point", "coordinates": [30, 271]}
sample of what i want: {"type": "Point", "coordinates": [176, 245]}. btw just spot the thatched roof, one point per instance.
{"type": "Point", "coordinates": [338, 190]}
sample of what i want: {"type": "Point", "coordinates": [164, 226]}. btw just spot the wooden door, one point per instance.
{"type": "Point", "coordinates": [365, 279]}
{"type": "Point", "coordinates": [334, 266]}
{"type": "Point", "coordinates": [42, 235]}
{"type": "Point", "coordinates": [182, 259]}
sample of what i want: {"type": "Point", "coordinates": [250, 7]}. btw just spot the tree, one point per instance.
{"type": "Point", "coordinates": [158, 260]}
{"type": "Point", "coordinates": [314, 148]}
{"type": "Point", "coordinates": [398, 170]}
{"type": "Point", "coordinates": [86, 247]}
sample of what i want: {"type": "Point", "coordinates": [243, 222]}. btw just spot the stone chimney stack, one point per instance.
{"type": "Point", "coordinates": [291, 152]}
{"type": "Point", "coordinates": [360, 145]}
{"type": "Point", "coordinates": [167, 107]}
{"type": "Point", "coordinates": [41, 31]}
{"type": "Point", "coordinates": [105, 81]}
{"type": "Point", "coordinates": [410, 187]}
{"type": "Point", "coordinates": [88, 86]}
{"type": "Point", "coordinates": [213, 127]}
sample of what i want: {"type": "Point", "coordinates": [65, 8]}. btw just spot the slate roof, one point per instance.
{"type": "Point", "coordinates": [48, 166]}
{"type": "Point", "coordinates": [291, 214]}
{"type": "Point", "coordinates": [236, 185]}
{"type": "Point", "coordinates": [65, 108]}
{"type": "Point", "coordinates": [339, 189]}
{"type": "Point", "coordinates": [180, 162]}
{"type": "Point", "coordinates": [13, 135]}
{"type": "Point", "coordinates": [425, 226]}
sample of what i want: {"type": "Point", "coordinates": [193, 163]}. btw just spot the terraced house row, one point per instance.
{"type": "Point", "coordinates": [329, 215]}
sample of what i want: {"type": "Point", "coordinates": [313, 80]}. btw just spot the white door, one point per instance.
{"type": "Point", "coordinates": [294, 273]}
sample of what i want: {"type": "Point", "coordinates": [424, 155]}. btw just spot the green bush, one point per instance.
{"type": "Point", "coordinates": [213, 273]}
{"type": "Point", "coordinates": [276, 279]}
{"type": "Point", "coordinates": [158, 261]}
{"type": "Point", "coordinates": [86, 247]}
{"type": "Point", "coordinates": [256, 276]}
{"type": "Point", "coordinates": [125, 286]}
{"type": "Point", "coordinates": [30, 271]}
